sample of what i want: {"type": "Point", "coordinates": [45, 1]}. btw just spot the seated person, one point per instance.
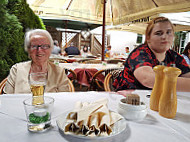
{"type": "Point", "coordinates": [127, 51]}
{"type": "Point", "coordinates": [72, 50]}
{"type": "Point", "coordinates": [186, 54]}
{"type": "Point", "coordinates": [138, 71]}
{"type": "Point", "coordinates": [85, 52]}
{"type": "Point", "coordinates": [38, 44]}
{"type": "Point", "coordinates": [108, 52]}
{"type": "Point", "coordinates": [56, 49]}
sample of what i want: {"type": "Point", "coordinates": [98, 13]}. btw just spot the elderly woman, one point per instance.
{"type": "Point", "coordinates": [38, 44]}
{"type": "Point", "coordinates": [138, 72]}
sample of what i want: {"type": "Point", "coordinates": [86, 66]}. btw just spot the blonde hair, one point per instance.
{"type": "Point", "coordinates": [151, 26]}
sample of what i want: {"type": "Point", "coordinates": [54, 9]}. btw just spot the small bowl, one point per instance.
{"type": "Point", "coordinates": [132, 112]}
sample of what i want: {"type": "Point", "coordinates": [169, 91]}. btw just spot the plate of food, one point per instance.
{"type": "Point", "coordinates": [91, 121]}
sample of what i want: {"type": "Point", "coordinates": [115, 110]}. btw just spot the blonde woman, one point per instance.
{"type": "Point", "coordinates": [138, 72]}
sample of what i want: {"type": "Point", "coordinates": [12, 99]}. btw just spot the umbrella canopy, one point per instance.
{"type": "Point", "coordinates": [141, 27]}
{"type": "Point", "coordinates": [69, 24]}
{"type": "Point", "coordinates": [117, 11]}
{"type": "Point", "coordinates": [181, 22]}
{"type": "Point", "coordinates": [107, 12]}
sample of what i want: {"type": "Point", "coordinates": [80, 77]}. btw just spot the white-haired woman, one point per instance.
{"type": "Point", "coordinates": [38, 44]}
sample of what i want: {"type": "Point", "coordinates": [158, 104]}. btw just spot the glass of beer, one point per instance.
{"type": "Point", "coordinates": [37, 83]}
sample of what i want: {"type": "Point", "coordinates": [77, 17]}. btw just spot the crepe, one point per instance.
{"type": "Point", "coordinates": [91, 119]}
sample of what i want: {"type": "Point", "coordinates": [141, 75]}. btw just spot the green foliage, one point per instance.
{"type": "Point", "coordinates": [16, 18]}
{"type": "Point", "coordinates": [10, 37]}
{"type": "Point", "coordinates": [25, 15]}
{"type": "Point", "coordinates": [179, 41]}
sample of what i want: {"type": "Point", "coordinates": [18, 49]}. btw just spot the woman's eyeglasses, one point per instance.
{"type": "Point", "coordinates": [43, 46]}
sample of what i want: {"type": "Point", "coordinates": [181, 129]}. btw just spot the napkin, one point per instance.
{"type": "Point", "coordinates": [91, 119]}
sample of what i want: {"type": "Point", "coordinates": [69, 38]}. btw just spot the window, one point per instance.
{"type": "Point", "coordinates": [139, 38]}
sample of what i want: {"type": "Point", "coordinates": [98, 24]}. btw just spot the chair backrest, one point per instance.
{"type": "Point", "coordinates": [93, 62]}
{"type": "Point", "coordinates": [109, 79]}
{"type": "Point", "coordinates": [2, 85]}
{"type": "Point", "coordinates": [97, 84]}
{"type": "Point", "coordinates": [58, 59]}
{"type": "Point", "coordinates": [72, 88]}
{"type": "Point", "coordinates": [114, 61]}
{"type": "Point", "coordinates": [73, 77]}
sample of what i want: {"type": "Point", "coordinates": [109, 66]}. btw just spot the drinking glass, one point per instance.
{"type": "Point", "coordinates": [37, 83]}
{"type": "Point", "coordinates": [39, 116]}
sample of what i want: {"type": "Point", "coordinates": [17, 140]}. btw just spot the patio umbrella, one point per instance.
{"type": "Point", "coordinates": [181, 22]}
{"type": "Point", "coordinates": [141, 27]}
{"type": "Point", "coordinates": [116, 11]}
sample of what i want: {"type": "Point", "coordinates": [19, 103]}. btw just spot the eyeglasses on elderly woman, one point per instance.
{"type": "Point", "coordinates": [43, 46]}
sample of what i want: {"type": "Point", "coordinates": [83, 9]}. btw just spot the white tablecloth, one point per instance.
{"type": "Point", "coordinates": [73, 66]}
{"type": "Point", "coordinates": [154, 128]}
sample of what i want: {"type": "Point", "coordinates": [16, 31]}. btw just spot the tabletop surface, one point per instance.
{"type": "Point", "coordinates": [73, 66]}
{"type": "Point", "coordinates": [13, 125]}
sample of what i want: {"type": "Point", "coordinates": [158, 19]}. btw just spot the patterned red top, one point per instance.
{"type": "Point", "coordinates": [143, 56]}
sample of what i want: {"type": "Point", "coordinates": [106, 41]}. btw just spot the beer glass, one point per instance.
{"type": "Point", "coordinates": [37, 82]}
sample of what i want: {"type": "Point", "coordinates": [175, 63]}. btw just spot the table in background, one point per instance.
{"type": "Point", "coordinates": [154, 128]}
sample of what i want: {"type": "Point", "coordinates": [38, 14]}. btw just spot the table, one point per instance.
{"type": "Point", "coordinates": [76, 58]}
{"type": "Point", "coordinates": [13, 126]}
{"type": "Point", "coordinates": [74, 66]}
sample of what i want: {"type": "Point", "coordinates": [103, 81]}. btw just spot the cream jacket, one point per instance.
{"type": "Point", "coordinates": [18, 79]}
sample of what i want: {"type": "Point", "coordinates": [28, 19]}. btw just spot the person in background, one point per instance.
{"type": "Point", "coordinates": [127, 51]}
{"type": "Point", "coordinates": [56, 49]}
{"type": "Point", "coordinates": [38, 44]}
{"type": "Point", "coordinates": [108, 52]}
{"type": "Point", "coordinates": [186, 53]}
{"type": "Point", "coordinates": [71, 50]}
{"type": "Point", "coordinates": [85, 52]}
{"type": "Point", "coordinates": [138, 71]}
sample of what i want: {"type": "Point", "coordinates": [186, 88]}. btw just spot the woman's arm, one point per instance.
{"type": "Point", "coordinates": [183, 84]}
{"type": "Point", "coordinates": [146, 76]}
{"type": "Point", "coordinates": [10, 84]}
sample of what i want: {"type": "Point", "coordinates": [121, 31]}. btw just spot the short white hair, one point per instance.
{"type": "Point", "coordinates": [36, 32]}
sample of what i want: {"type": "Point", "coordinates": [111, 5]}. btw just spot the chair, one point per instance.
{"type": "Point", "coordinates": [2, 85]}
{"type": "Point", "coordinates": [114, 61]}
{"type": "Point", "coordinates": [72, 88]}
{"type": "Point", "coordinates": [58, 59]}
{"type": "Point", "coordinates": [93, 62]}
{"type": "Point", "coordinates": [98, 79]}
{"type": "Point", "coordinates": [109, 79]}
{"type": "Point", "coordinates": [73, 75]}
{"type": "Point", "coordinates": [95, 83]}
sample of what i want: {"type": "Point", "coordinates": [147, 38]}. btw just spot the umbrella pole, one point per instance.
{"type": "Point", "coordinates": [103, 28]}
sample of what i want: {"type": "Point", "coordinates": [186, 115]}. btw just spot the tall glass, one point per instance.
{"type": "Point", "coordinates": [37, 83]}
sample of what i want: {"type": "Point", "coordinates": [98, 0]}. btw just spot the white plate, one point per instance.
{"type": "Point", "coordinates": [118, 127]}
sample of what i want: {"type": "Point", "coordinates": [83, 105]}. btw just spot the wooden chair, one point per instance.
{"type": "Point", "coordinates": [96, 84]}
{"type": "Point", "coordinates": [72, 88]}
{"type": "Point", "coordinates": [2, 85]}
{"type": "Point", "coordinates": [57, 59]}
{"type": "Point", "coordinates": [93, 62]}
{"type": "Point", "coordinates": [114, 61]}
{"type": "Point", "coordinates": [109, 79]}
{"type": "Point", "coordinates": [74, 75]}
